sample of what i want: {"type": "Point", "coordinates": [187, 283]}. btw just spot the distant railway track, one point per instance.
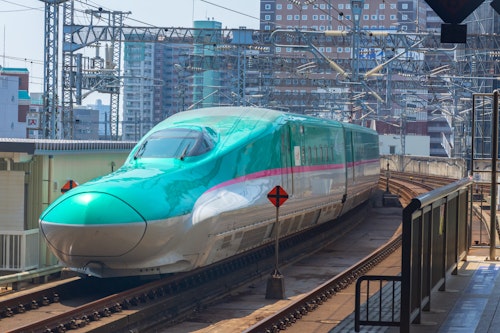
{"type": "Point", "coordinates": [173, 298]}
{"type": "Point", "coordinates": [408, 186]}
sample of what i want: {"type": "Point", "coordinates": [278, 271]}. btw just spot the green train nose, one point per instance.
{"type": "Point", "coordinates": [92, 225]}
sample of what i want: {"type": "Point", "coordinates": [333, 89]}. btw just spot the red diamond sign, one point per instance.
{"type": "Point", "coordinates": [277, 196]}
{"type": "Point", "coordinates": [453, 11]}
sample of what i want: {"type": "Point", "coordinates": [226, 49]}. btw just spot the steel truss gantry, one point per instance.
{"type": "Point", "coordinates": [388, 62]}
{"type": "Point", "coordinates": [48, 121]}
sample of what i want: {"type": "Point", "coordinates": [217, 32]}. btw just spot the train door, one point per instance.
{"type": "Point", "coordinates": [286, 160]}
{"type": "Point", "coordinates": [349, 162]}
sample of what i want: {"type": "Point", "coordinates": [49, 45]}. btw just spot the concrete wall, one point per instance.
{"type": "Point", "coordinates": [417, 145]}
{"type": "Point", "coordinates": [40, 182]}
{"type": "Point", "coordinates": [80, 167]}
{"type": "Point", "coordinates": [425, 165]}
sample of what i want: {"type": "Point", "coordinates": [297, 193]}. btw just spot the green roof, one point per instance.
{"type": "Point", "coordinates": [14, 70]}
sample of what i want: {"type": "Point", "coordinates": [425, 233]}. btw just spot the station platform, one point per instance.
{"type": "Point", "coordinates": [471, 301]}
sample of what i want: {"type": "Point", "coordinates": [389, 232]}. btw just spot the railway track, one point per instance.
{"type": "Point", "coordinates": [171, 299]}
{"type": "Point", "coordinates": [164, 301]}
{"type": "Point", "coordinates": [407, 186]}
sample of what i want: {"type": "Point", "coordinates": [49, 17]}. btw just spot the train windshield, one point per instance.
{"type": "Point", "coordinates": [175, 143]}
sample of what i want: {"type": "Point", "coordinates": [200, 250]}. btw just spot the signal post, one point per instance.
{"type": "Point", "coordinates": [276, 283]}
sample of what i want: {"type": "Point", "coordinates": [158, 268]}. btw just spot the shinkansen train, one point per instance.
{"type": "Point", "coordinates": [194, 190]}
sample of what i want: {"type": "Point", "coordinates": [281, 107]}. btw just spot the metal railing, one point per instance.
{"type": "Point", "coordinates": [436, 236]}
{"type": "Point", "coordinates": [381, 308]}
{"type": "Point", "coordinates": [19, 250]}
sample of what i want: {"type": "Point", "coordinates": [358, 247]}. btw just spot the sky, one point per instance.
{"type": "Point", "coordinates": [22, 24]}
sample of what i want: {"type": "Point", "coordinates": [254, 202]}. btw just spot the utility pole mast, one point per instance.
{"type": "Point", "coordinates": [72, 77]}
{"type": "Point", "coordinates": [100, 77]}
{"type": "Point", "coordinates": [49, 117]}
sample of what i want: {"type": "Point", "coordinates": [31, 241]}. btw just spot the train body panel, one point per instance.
{"type": "Point", "coordinates": [194, 190]}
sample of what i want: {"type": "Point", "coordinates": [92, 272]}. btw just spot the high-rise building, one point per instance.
{"type": "Point", "coordinates": [85, 124]}
{"type": "Point", "coordinates": [104, 119]}
{"type": "Point", "coordinates": [152, 89]}
{"type": "Point", "coordinates": [14, 102]}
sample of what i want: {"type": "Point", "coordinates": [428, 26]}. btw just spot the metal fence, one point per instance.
{"type": "Point", "coordinates": [19, 250]}
{"type": "Point", "coordinates": [436, 236]}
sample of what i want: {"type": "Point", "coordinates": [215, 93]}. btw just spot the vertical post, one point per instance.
{"type": "Point", "coordinates": [494, 159]}
{"type": "Point", "coordinates": [276, 282]}
{"type": "Point", "coordinates": [387, 175]}
{"type": "Point", "coordinates": [277, 244]}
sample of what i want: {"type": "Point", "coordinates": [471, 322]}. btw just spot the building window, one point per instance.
{"type": "Point", "coordinates": [404, 6]}
{"type": "Point", "coordinates": [296, 17]}
{"type": "Point", "coordinates": [374, 17]}
{"type": "Point", "coordinates": [404, 17]}
{"type": "Point", "coordinates": [381, 6]}
{"type": "Point", "coordinates": [304, 17]}
{"type": "Point", "coordinates": [278, 18]}
{"type": "Point", "coordinates": [267, 17]}
{"type": "Point", "coordinates": [267, 6]}
{"type": "Point", "coordinates": [393, 17]}
{"type": "Point", "coordinates": [341, 6]}
{"type": "Point", "coordinates": [315, 17]}
{"type": "Point", "coordinates": [366, 6]}
{"type": "Point", "coordinates": [366, 17]}
{"type": "Point", "coordinates": [289, 6]}
{"type": "Point", "coordinates": [279, 6]}
{"type": "Point", "coordinates": [289, 17]}
{"type": "Point", "coordinates": [393, 6]}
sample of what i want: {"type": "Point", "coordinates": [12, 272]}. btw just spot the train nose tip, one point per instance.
{"type": "Point", "coordinates": [92, 225]}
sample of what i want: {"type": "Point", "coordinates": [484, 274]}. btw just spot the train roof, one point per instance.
{"type": "Point", "coordinates": [251, 118]}
{"type": "Point", "coordinates": [214, 115]}
{"type": "Point", "coordinates": [359, 128]}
